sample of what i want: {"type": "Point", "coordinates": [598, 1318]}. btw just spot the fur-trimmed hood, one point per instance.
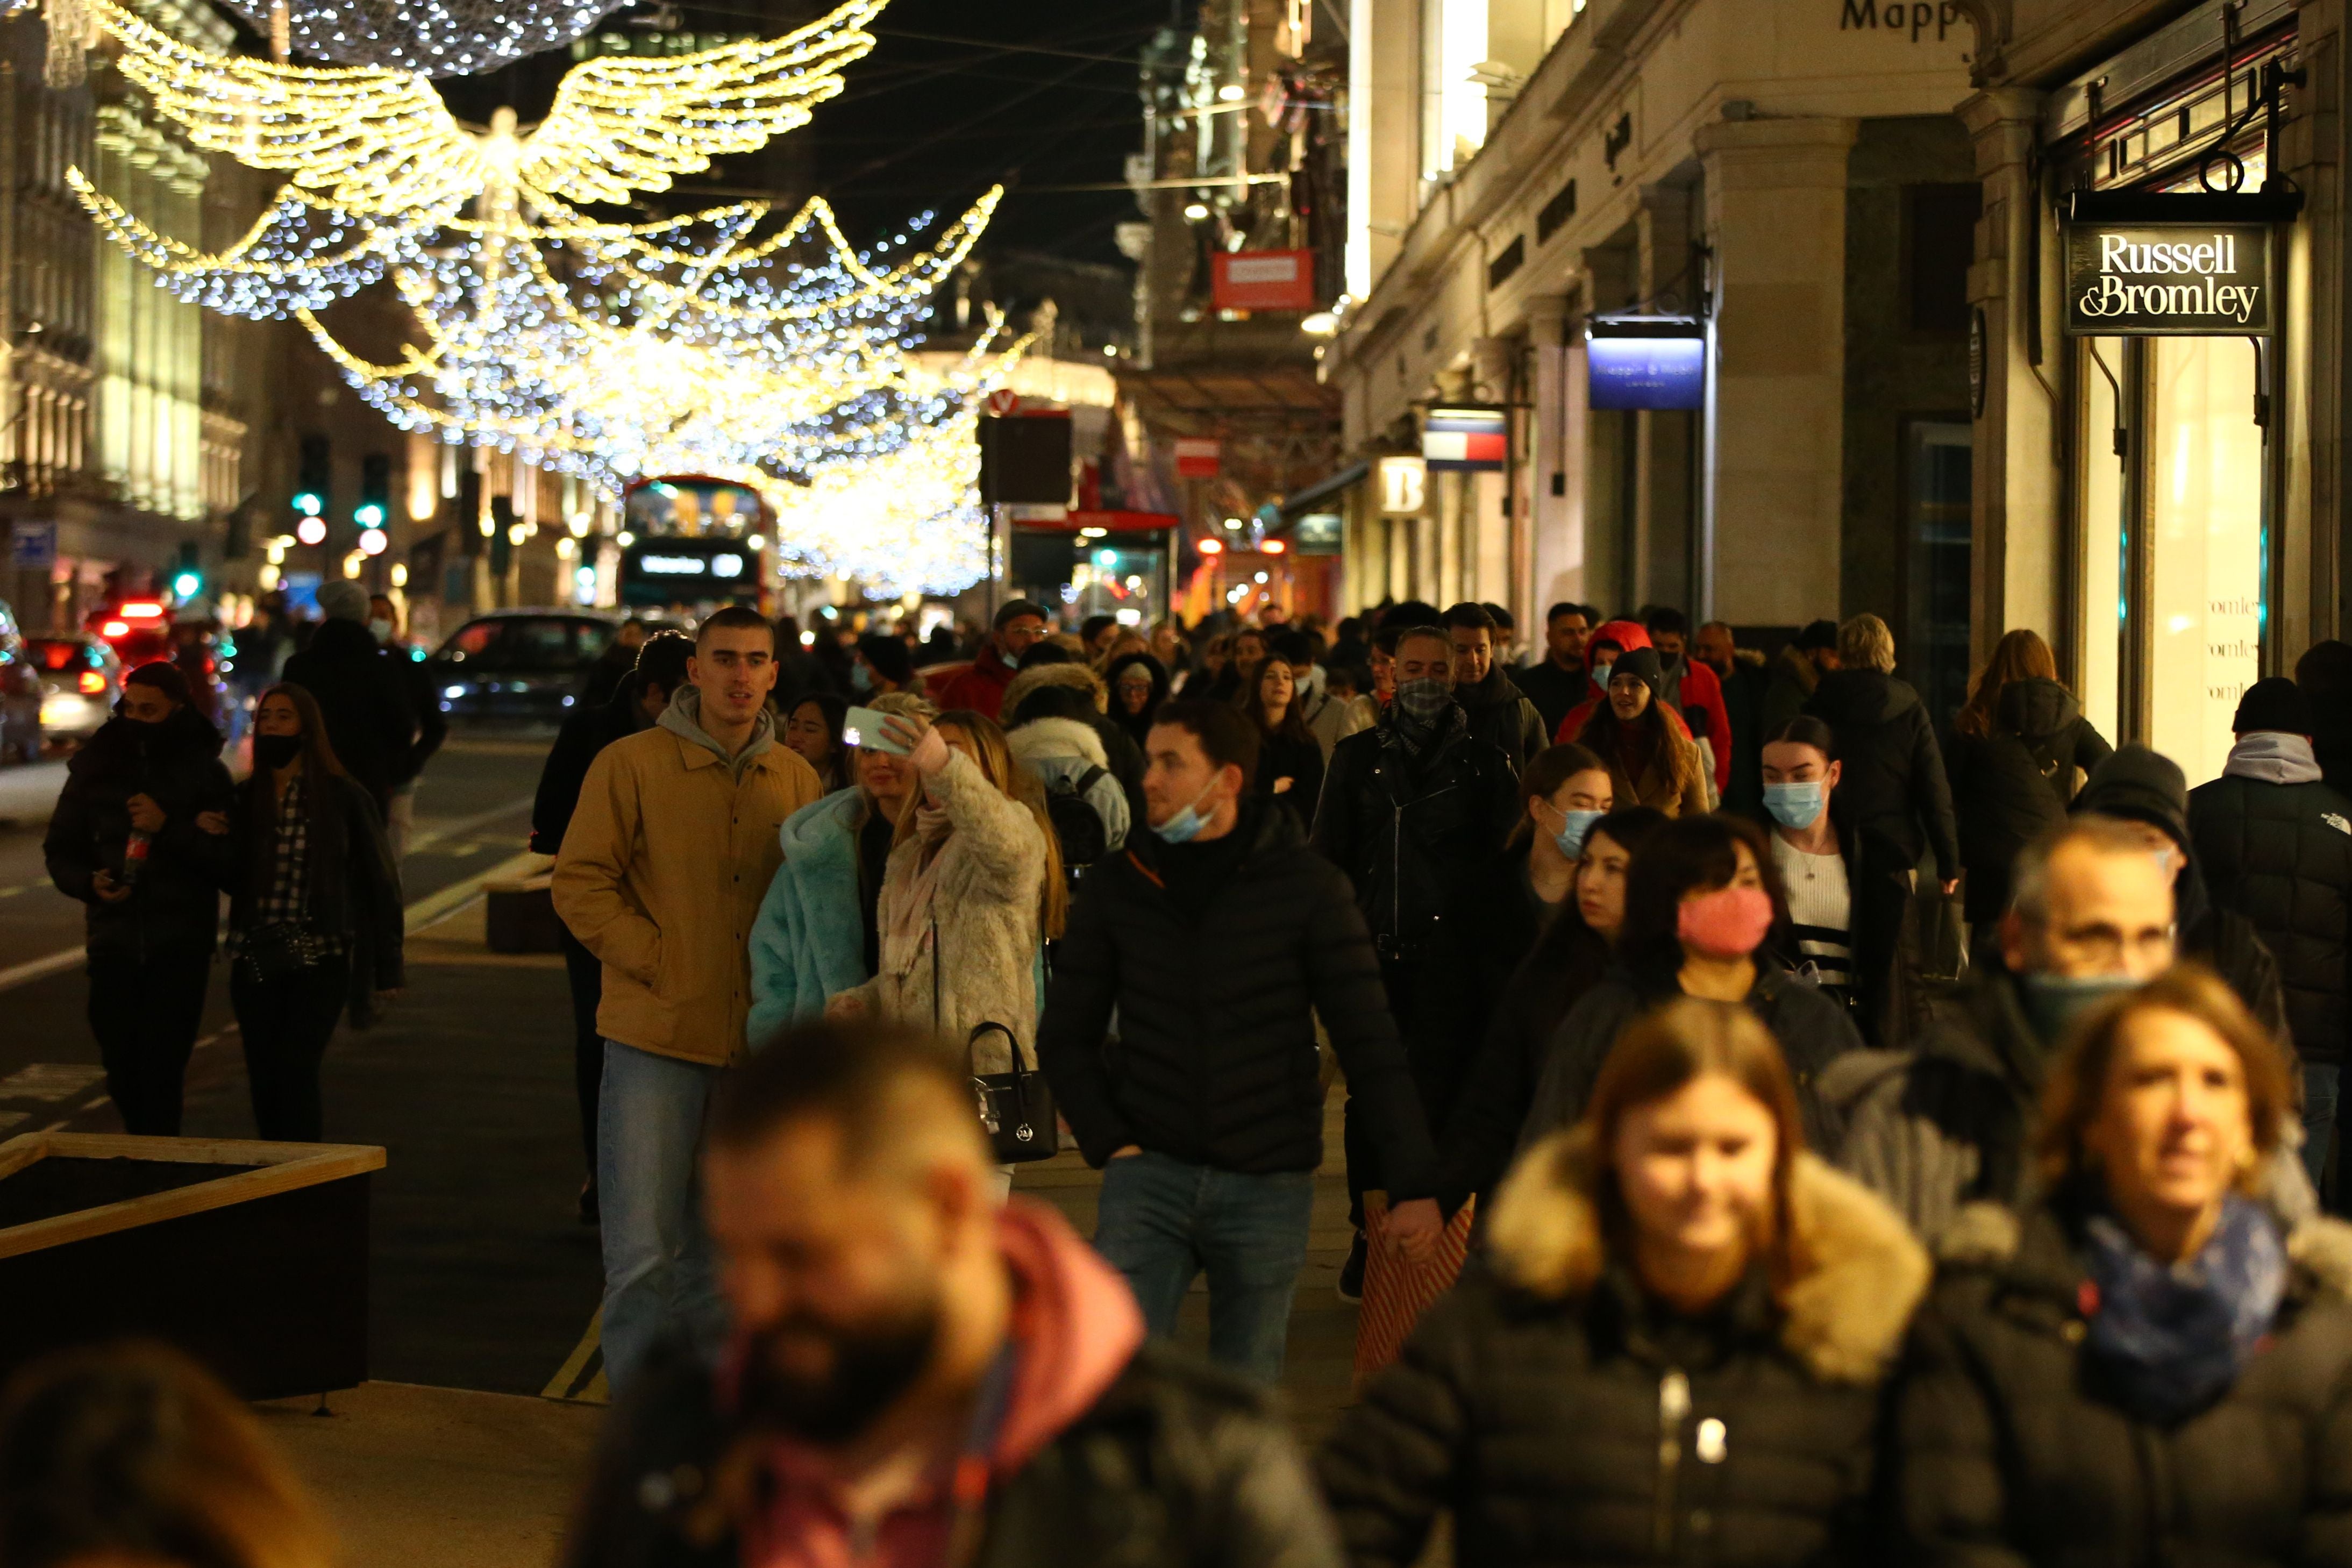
{"type": "Point", "coordinates": [1042, 739]}
{"type": "Point", "coordinates": [1861, 1272]}
{"type": "Point", "coordinates": [1081, 677]}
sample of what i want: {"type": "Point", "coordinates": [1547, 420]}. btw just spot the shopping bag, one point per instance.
{"type": "Point", "coordinates": [1397, 1292]}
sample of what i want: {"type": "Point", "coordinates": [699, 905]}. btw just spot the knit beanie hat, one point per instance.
{"type": "Point", "coordinates": [2275, 704]}
{"type": "Point", "coordinates": [1643, 662]}
{"type": "Point", "coordinates": [343, 600]}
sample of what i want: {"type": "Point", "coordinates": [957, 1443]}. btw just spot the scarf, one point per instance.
{"type": "Point", "coordinates": [2272, 756]}
{"type": "Point", "coordinates": [2171, 1340]}
{"type": "Point", "coordinates": [907, 909]}
{"type": "Point", "coordinates": [1423, 736]}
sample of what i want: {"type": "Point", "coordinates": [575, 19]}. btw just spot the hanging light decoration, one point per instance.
{"type": "Point", "coordinates": [436, 38]}
{"type": "Point", "coordinates": [719, 342]}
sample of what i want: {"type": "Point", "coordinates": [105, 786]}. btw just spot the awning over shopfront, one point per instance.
{"type": "Point", "coordinates": [1314, 497]}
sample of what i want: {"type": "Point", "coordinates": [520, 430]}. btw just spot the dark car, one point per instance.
{"type": "Point", "coordinates": [82, 680]}
{"type": "Point", "coordinates": [520, 665]}
{"type": "Point", "coordinates": [20, 694]}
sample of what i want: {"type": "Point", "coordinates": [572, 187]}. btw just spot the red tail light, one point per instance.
{"type": "Point", "coordinates": [92, 683]}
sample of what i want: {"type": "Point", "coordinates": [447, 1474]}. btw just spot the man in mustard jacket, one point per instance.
{"type": "Point", "coordinates": [661, 874]}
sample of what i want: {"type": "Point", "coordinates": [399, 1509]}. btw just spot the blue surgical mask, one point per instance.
{"type": "Point", "coordinates": [1600, 675]}
{"type": "Point", "coordinates": [861, 678]}
{"type": "Point", "coordinates": [1795, 805]}
{"type": "Point", "coordinates": [1186, 825]}
{"type": "Point", "coordinates": [1574, 825]}
{"type": "Point", "coordinates": [2053, 1002]}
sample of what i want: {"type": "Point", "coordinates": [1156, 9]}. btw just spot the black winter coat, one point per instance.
{"type": "Point", "coordinates": [1893, 788]}
{"type": "Point", "coordinates": [1300, 762]}
{"type": "Point", "coordinates": [2007, 1458]}
{"type": "Point", "coordinates": [2280, 854]}
{"type": "Point", "coordinates": [354, 888]}
{"type": "Point", "coordinates": [1215, 1063]}
{"type": "Point", "coordinates": [1565, 1418]}
{"type": "Point", "coordinates": [1414, 833]}
{"type": "Point", "coordinates": [2011, 784]}
{"type": "Point", "coordinates": [1176, 1466]}
{"type": "Point", "coordinates": [1502, 716]}
{"type": "Point", "coordinates": [1554, 691]}
{"type": "Point", "coordinates": [585, 732]}
{"type": "Point", "coordinates": [175, 906]}
{"type": "Point", "coordinates": [1813, 1031]}
{"type": "Point", "coordinates": [364, 696]}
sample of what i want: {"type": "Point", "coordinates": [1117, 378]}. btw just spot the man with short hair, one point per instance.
{"type": "Point", "coordinates": [1203, 1115]}
{"type": "Point", "coordinates": [1559, 682]}
{"type": "Point", "coordinates": [1810, 654]}
{"type": "Point", "coordinates": [1689, 687]}
{"type": "Point", "coordinates": [1507, 634]}
{"type": "Point", "coordinates": [1742, 676]}
{"type": "Point", "coordinates": [1950, 1122]}
{"type": "Point", "coordinates": [1020, 624]}
{"type": "Point", "coordinates": [1498, 712]}
{"type": "Point", "coordinates": [637, 702]}
{"type": "Point", "coordinates": [2274, 841]}
{"type": "Point", "coordinates": [918, 1375]}
{"type": "Point", "coordinates": [1414, 810]}
{"type": "Point", "coordinates": [663, 866]}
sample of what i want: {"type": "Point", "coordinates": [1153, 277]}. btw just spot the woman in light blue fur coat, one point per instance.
{"type": "Point", "coordinates": [816, 933]}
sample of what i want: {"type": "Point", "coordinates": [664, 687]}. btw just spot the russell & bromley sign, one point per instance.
{"type": "Point", "coordinates": [2169, 266]}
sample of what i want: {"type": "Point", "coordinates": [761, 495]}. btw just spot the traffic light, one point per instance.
{"type": "Point", "coordinates": [314, 481]}
{"type": "Point", "coordinates": [187, 577]}
{"type": "Point", "coordinates": [376, 503]}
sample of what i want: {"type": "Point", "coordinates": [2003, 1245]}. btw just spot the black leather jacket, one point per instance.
{"type": "Point", "coordinates": [1414, 832]}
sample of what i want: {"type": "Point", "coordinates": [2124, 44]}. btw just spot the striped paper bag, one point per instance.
{"type": "Point", "coordinates": [1397, 1292]}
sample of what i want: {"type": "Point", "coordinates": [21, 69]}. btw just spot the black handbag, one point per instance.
{"type": "Point", "coordinates": [283, 949]}
{"type": "Point", "coordinates": [1016, 1107]}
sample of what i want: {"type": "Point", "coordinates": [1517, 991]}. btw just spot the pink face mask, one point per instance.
{"type": "Point", "coordinates": [1728, 923]}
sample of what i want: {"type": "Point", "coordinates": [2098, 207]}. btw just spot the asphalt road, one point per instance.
{"type": "Point", "coordinates": [483, 1277]}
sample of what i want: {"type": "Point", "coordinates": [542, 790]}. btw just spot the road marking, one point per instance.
{"type": "Point", "coordinates": [440, 906]}
{"type": "Point", "coordinates": [469, 824]}
{"type": "Point", "coordinates": [49, 1081]}
{"type": "Point", "coordinates": [39, 968]}
{"type": "Point", "coordinates": [580, 1379]}
{"type": "Point", "coordinates": [22, 888]}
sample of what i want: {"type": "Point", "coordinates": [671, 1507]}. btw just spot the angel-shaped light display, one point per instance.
{"type": "Point", "coordinates": [723, 340]}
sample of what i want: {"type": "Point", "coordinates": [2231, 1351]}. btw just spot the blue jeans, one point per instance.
{"type": "Point", "coordinates": [1164, 1220]}
{"type": "Point", "coordinates": [658, 1277]}
{"type": "Point", "coordinates": [2321, 1088]}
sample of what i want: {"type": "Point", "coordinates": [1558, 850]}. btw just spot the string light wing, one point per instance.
{"type": "Point", "coordinates": [436, 38]}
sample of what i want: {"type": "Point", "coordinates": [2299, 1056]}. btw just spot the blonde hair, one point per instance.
{"type": "Point", "coordinates": [1014, 783]}
{"type": "Point", "coordinates": [2077, 1085]}
{"type": "Point", "coordinates": [1864, 643]}
{"type": "Point", "coordinates": [135, 1451]}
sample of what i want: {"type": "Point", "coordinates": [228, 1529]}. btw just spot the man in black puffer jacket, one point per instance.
{"type": "Point", "coordinates": [2276, 846]}
{"type": "Point", "coordinates": [1894, 790]}
{"type": "Point", "coordinates": [917, 1374]}
{"type": "Point", "coordinates": [1206, 1114]}
{"type": "Point", "coordinates": [154, 769]}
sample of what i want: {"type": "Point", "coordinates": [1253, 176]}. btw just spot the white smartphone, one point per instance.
{"type": "Point", "coordinates": [863, 727]}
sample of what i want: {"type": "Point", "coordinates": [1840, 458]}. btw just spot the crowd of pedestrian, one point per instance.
{"type": "Point", "coordinates": [1778, 1127]}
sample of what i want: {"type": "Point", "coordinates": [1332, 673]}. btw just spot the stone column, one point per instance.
{"type": "Point", "coordinates": [1556, 507]}
{"type": "Point", "coordinates": [1605, 443]}
{"type": "Point", "coordinates": [2017, 500]}
{"type": "Point", "coordinates": [1776, 219]}
{"type": "Point", "coordinates": [1664, 440]}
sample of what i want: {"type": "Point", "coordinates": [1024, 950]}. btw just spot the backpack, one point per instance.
{"type": "Point", "coordinates": [1079, 827]}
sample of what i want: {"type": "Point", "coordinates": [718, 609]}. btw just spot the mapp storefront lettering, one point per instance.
{"type": "Point", "coordinates": [2150, 280]}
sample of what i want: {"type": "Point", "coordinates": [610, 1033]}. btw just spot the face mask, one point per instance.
{"type": "Point", "coordinates": [380, 630]}
{"type": "Point", "coordinates": [276, 750]}
{"type": "Point", "coordinates": [1574, 825]}
{"type": "Point", "coordinates": [1186, 825]}
{"type": "Point", "coordinates": [861, 679]}
{"type": "Point", "coordinates": [2053, 1002]}
{"type": "Point", "coordinates": [1728, 923]}
{"type": "Point", "coordinates": [1794, 806]}
{"type": "Point", "coordinates": [1601, 674]}
{"type": "Point", "coordinates": [1426, 698]}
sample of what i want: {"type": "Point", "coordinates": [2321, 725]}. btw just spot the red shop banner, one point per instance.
{"type": "Point", "coordinates": [1263, 280]}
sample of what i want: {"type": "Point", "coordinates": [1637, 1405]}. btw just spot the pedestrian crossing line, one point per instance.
{"type": "Point", "coordinates": [580, 1379]}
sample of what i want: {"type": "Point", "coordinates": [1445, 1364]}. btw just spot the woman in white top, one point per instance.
{"type": "Point", "coordinates": [1800, 771]}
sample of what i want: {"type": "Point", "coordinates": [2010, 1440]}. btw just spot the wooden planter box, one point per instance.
{"type": "Point", "coordinates": [251, 1256]}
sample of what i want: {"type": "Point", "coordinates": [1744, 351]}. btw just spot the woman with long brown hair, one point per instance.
{"type": "Point", "coordinates": [2145, 1364]}
{"type": "Point", "coordinates": [1651, 757]}
{"type": "Point", "coordinates": [2012, 758]}
{"type": "Point", "coordinates": [1676, 1347]}
{"type": "Point", "coordinates": [315, 920]}
{"type": "Point", "coordinates": [972, 891]}
{"type": "Point", "coordinates": [1289, 759]}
